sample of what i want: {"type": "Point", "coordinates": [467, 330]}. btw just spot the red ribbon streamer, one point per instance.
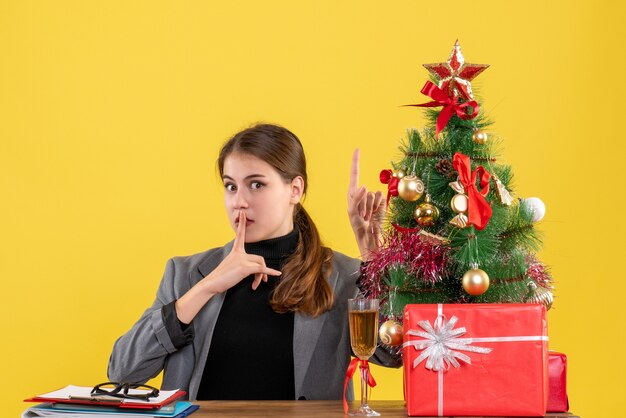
{"type": "Point", "coordinates": [404, 230]}
{"type": "Point", "coordinates": [364, 365]}
{"type": "Point", "coordinates": [387, 177]}
{"type": "Point", "coordinates": [450, 105]}
{"type": "Point", "coordinates": [479, 211]}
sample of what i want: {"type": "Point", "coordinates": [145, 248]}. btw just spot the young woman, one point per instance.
{"type": "Point", "coordinates": [264, 316]}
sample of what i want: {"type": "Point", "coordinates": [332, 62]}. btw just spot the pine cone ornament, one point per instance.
{"type": "Point", "coordinates": [444, 167]}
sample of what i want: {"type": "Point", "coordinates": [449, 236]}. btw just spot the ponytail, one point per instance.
{"type": "Point", "coordinates": [303, 286]}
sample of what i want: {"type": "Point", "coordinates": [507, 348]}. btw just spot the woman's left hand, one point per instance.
{"type": "Point", "coordinates": [366, 211]}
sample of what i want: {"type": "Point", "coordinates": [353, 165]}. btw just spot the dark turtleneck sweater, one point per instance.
{"type": "Point", "coordinates": [251, 353]}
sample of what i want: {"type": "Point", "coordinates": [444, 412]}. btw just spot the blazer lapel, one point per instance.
{"type": "Point", "coordinates": [305, 335]}
{"type": "Point", "coordinates": [207, 266]}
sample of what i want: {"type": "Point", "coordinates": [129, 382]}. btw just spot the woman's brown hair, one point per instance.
{"type": "Point", "coordinates": [303, 286]}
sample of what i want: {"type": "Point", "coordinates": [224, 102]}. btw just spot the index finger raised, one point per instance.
{"type": "Point", "coordinates": [240, 235]}
{"type": "Point", "coordinates": [354, 172]}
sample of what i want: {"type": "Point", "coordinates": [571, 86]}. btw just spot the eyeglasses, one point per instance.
{"type": "Point", "coordinates": [120, 390]}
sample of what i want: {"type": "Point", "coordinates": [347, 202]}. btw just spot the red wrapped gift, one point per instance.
{"type": "Point", "coordinates": [476, 360]}
{"type": "Point", "coordinates": [557, 378]}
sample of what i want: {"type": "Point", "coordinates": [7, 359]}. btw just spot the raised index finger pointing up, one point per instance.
{"type": "Point", "coordinates": [240, 235]}
{"type": "Point", "coordinates": [354, 172]}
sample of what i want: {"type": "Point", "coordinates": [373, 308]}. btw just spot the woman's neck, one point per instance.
{"type": "Point", "coordinates": [275, 248]}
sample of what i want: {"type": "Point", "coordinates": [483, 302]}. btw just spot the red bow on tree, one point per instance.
{"type": "Point", "coordinates": [478, 210]}
{"type": "Point", "coordinates": [450, 105]}
{"type": "Point", "coordinates": [364, 365]}
{"type": "Point", "coordinates": [387, 177]}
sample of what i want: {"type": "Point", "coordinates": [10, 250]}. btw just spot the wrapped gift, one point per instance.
{"type": "Point", "coordinates": [557, 378]}
{"type": "Point", "coordinates": [476, 360]}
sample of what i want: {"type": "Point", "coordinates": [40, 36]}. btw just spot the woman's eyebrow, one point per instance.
{"type": "Point", "coordinates": [225, 177]}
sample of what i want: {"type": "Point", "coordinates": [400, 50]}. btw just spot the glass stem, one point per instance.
{"type": "Point", "coordinates": [364, 387]}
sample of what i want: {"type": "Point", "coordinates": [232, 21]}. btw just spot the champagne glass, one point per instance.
{"type": "Point", "coordinates": [363, 315]}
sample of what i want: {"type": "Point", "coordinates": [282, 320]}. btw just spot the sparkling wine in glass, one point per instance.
{"type": "Point", "coordinates": [363, 316]}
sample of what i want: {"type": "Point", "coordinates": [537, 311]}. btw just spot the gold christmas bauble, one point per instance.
{"type": "Point", "coordinates": [539, 294]}
{"type": "Point", "coordinates": [410, 188]}
{"type": "Point", "coordinates": [426, 214]}
{"type": "Point", "coordinates": [475, 282]}
{"type": "Point", "coordinates": [390, 333]}
{"type": "Point", "coordinates": [479, 137]}
{"type": "Point", "coordinates": [459, 203]}
{"type": "Point", "coordinates": [398, 173]}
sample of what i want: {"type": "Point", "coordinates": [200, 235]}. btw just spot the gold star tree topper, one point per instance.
{"type": "Point", "coordinates": [455, 74]}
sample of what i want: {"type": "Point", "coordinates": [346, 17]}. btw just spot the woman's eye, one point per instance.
{"type": "Point", "coordinates": [256, 185]}
{"type": "Point", "coordinates": [230, 187]}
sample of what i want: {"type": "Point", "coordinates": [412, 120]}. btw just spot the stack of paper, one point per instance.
{"type": "Point", "coordinates": [77, 402]}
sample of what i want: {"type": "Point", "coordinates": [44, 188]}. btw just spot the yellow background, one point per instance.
{"type": "Point", "coordinates": [112, 113]}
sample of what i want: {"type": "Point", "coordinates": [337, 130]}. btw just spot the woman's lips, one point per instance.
{"type": "Point", "coordinates": [248, 222]}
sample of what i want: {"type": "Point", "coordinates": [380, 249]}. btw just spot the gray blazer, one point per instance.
{"type": "Point", "coordinates": [321, 346]}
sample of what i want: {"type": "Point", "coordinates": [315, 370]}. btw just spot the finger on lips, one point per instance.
{"type": "Point", "coordinates": [240, 235]}
{"type": "Point", "coordinates": [258, 262]}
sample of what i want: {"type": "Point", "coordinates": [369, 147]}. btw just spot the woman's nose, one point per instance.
{"type": "Point", "coordinates": [241, 200]}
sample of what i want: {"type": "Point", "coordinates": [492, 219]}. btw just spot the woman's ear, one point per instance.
{"type": "Point", "coordinates": [297, 190]}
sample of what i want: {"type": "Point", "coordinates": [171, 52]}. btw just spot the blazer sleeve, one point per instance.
{"type": "Point", "coordinates": [387, 357]}
{"type": "Point", "coordinates": [140, 354]}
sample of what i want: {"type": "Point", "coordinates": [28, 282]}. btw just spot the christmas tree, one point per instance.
{"type": "Point", "coordinates": [456, 231]}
